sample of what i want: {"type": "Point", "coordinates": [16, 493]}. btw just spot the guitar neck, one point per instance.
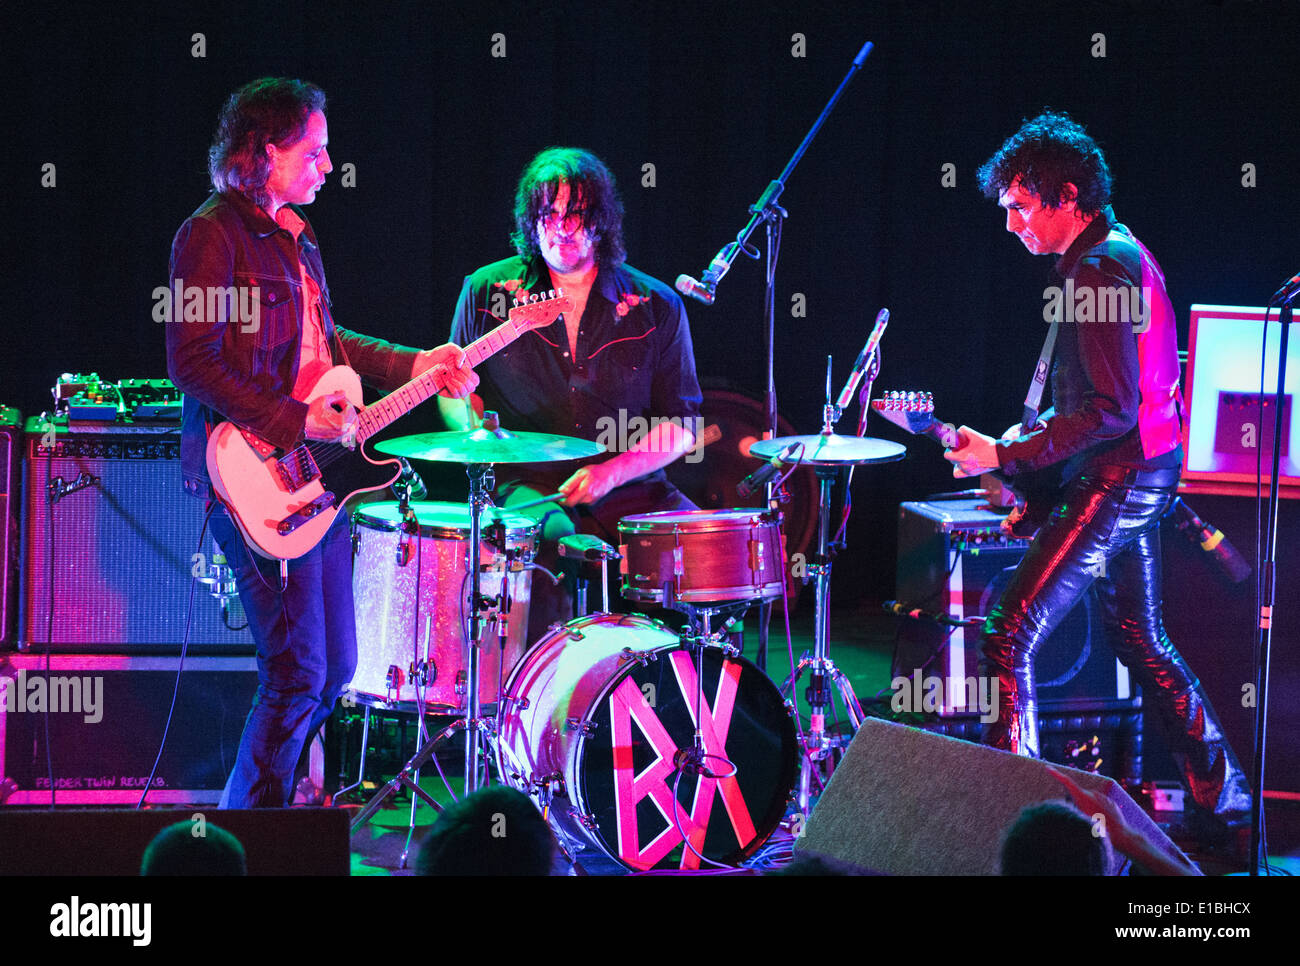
{"type": "Point", "coordinates": [945, 434]}
{"type": "Point", "coordinates": [431, 382]}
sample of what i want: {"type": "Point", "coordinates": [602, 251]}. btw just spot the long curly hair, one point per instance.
{"type": "Point", "coordinates": [1048, 152]}
{"type": "Point", "coordinates": [269, 110]}
{"type": "Point", "coordinates": [592, 194]}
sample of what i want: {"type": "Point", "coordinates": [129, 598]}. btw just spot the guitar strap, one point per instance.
{"type": "Point", "coordinates": [1029, 417]}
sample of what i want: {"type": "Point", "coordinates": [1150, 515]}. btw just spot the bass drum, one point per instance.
{"type": "Point", "coordinates": [593, 717]}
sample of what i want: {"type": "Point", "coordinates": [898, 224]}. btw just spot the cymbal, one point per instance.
{"type": "Point", "coordinates": [832, 450]}
{"type": "Point", "coordinates": [489, 446]}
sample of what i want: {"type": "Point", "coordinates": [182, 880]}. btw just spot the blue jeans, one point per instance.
{"type": "Point", "coordinates": [306, 640]}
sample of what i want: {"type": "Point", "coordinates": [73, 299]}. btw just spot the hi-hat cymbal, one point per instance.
{"type": "Point", "coordinates": [832, 450]}
{"type": "Point", "coordinates": [489, 446]}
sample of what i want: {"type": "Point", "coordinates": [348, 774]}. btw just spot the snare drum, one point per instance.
{"type": "Point", "coordinates": [402, 632]}
{"type": "Point", "coordinates": [592, 719]}
{"type": "Point", "coordinates": [706, 556]}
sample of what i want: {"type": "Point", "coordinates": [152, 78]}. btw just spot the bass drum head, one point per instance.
{"type": "Point", "coordinates": [732, 422]}
{"type": "Point", "coordinates": [626, 770]}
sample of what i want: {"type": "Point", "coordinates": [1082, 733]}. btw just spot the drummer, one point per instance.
{"type": "Point", "coordinates": [619, 363]}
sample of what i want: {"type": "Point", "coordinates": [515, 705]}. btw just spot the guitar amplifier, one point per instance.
{"type": "Point", "coordinates": [109, 538]}
{"type": "Point", "coordinates": [11, 460]}
{"type": "Point", "coordinates": [954, 559]}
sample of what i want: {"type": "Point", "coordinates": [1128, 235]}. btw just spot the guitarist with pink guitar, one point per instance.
{"type": "Point", "coordinates": [272, 406]}
{"type": "Point", "coordinates": [1115, 433]}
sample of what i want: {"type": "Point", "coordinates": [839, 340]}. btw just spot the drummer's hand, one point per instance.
{"type": "Point", "coordinates": [589, 484]}
{"type": "Point", "coordinates": [976, 454]}
{"type": "Point", "coordinates": [459, 379]}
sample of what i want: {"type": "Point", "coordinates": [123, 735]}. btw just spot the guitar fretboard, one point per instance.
{"type": "Point", "coordinates": [429, 383]}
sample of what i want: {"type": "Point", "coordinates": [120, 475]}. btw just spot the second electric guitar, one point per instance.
{"type": "Point", "coordinates": [284, 501]}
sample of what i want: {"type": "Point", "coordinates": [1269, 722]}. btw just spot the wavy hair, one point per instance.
{"type": "Point", "coordinates": [270, 110]}
{"type": "Point", "coordinates": [1048, 152]}
{"type": "Point", "coordinates": [592, 194]}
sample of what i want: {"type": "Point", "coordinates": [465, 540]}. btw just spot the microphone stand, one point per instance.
{"type": "Point", "coordinates": [1264, 628]}
{"type": "Point", "coordinates": [766, 211]}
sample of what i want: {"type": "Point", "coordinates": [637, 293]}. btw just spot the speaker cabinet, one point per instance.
{"type": "Point", "coordinates": [11, 461]}
{"type": "Point", "coordinates": [907, 802]}
{"type": "Point", "coordinates": [114, 555]}
{"type": "Point", "coordinates": [106, 718]}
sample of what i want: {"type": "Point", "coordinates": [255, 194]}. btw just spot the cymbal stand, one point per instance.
{"type": "Point", "coordinates": [819, 747]}
{"type": "Point", "coordinates": [481, 481]}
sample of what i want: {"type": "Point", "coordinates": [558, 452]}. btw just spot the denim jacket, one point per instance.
{"type": "Point", "coordinates": [234, 352]}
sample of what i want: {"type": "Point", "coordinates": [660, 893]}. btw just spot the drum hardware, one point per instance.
{"type": "Point", "coordinates": [641, 657]}
{"type": "Point", "coordinates": [690, 761]}
{"type": "Point", "coordinates": [587, 548]}
{"type": "Point", "coordinates": [831, 456]}
{"type": "Point", "coordinates": [479, 449]}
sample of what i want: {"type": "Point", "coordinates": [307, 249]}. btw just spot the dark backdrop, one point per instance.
{"type": "Point", "coordinates": [711, 95]}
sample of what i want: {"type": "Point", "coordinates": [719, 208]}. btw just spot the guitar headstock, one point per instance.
{"type": "Point", "coordinates": [539, 310]}
{"type": "Point", "coordinates": [910, 410]}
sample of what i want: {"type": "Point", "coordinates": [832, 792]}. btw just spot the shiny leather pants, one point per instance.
{"type": "Point", "coordinates": [1106, 532]}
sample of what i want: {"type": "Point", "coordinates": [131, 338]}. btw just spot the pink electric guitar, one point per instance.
{"type": "Point", "coordinates": [284, 501]}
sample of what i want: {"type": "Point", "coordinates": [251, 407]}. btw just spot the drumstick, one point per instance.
{"type": "Point", "coordinates": [554, 497]}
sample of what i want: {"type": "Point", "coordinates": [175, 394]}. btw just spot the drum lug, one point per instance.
{"type": "Point", "coordinates": [422, 673]}
{"type": "Point", "coordinates": [508, 703]}
{"type": "Point", "coordinates": [572, 632]}
{"type": "Point", "coordinates": [641, 657]}
{"type": "Point", "coordinates": [580, 725]}
{"type": "Point", "coordinates": [679, 561]}
{"type": "Point", "coordinates": [756, 556]}
{"type": "Point", "coordinates": [462, 688]}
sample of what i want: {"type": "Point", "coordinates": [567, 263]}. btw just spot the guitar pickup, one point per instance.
{"type": "Point", "coordinates": [297, 469]}
{"type": "Point", "coordinates": [304, 513]}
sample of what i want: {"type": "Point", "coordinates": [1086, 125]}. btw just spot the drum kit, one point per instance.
{"type": "Point", "coordinates": [624, 731]}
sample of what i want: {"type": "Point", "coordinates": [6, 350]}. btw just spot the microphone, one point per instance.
{"type": "Point", "coordinates": [1210, 539]}
{"type": "Point", "coordinates": [409, 486]}
{"type": "Point", "coordinates": [696, 290]}
{"type": "Point", "coordinates": [864, 360]}
{"type": "Point", "coordinates": [757, 479]}
{"type": "Point", "coordinates": [906, 610]}
{"type": "Point", "coordinates": [721, 264]}
{"type": "Point", "coordinates": [1287, 292]}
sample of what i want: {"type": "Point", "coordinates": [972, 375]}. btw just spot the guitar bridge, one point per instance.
{"type": "Point", "coordinates": [304, 513]}
{"type": "Point", "coordinates": [297, 468]}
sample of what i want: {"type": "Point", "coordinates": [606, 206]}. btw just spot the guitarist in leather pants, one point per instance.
{"type": "Point", "coordinates": [252, 334]}
{"type": "Point", "coordinates": [1115, 437]}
